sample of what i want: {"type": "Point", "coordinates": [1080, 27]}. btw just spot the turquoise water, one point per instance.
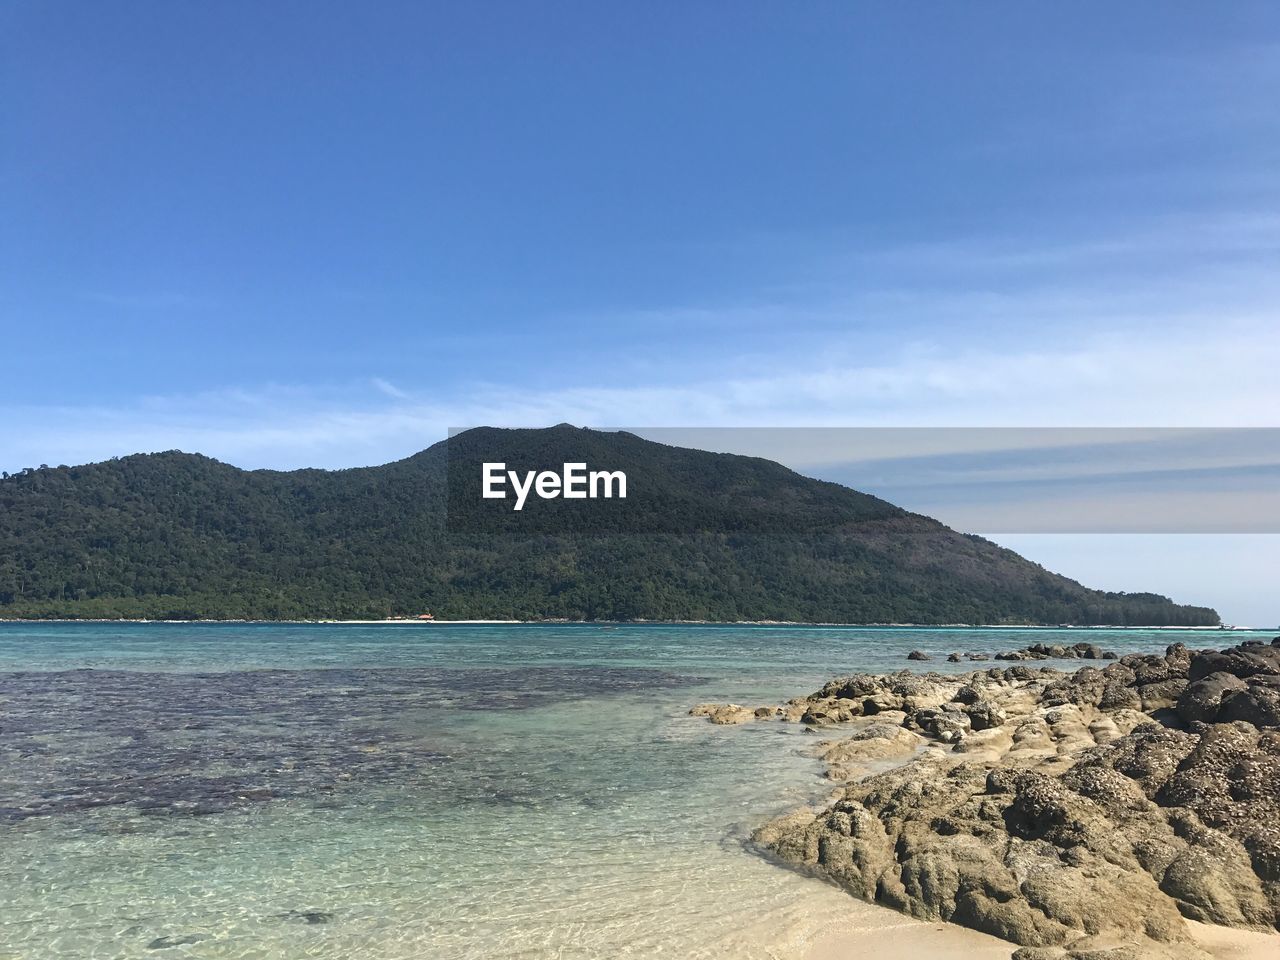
{"type": "Point", "coordinates": [397, 791]}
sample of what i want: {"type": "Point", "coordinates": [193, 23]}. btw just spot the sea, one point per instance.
{"type": "Point", "coordinates": [423, 790]}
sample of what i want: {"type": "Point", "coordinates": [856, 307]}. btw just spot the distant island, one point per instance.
{"type": "Point", "coordinates": [701, 536]}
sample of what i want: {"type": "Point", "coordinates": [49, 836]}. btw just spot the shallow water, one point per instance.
{"type": "Point", "coordinates": [397, 791]}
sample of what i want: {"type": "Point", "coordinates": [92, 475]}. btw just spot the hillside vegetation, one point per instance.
{"type": "Point", "coordinates": [700, 536]}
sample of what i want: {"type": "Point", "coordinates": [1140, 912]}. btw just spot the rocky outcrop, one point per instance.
{"type": "Point", "coordinates": [1057, 651]}
{"type": "Point", "coordinates": [1036, 651]}
{"type": "Point", "coordinates": [1080, 815]}
{"type": "Point", "coordinates": [1242, 683]}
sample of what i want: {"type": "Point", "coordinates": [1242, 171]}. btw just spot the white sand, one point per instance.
{"type": "Point", "coordinates": [909, 939]}
{"type": "Point", "coordinates": [832, 925]}
{"type": "Point", "coordinates": [1228, 944]}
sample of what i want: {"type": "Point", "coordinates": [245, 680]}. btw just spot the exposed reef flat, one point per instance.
{"type": "Point", "coordinates": [1036, 651]}
{"type": "Point", "coordinates": [1084, 815]}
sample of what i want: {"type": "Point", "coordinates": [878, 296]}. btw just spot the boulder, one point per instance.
{"type": "Point", "coordinates": [831, 710]}
{"type": "Point", "coordinates": [947, 726]}
{"type": "Point", "coordinates": [1202, 698]}
{"type": "Point", "coordinates": [985, 714]}
{"type": "Point", "coordinates": [1258, 703]}
{"type": "Point", "coordinates": [1162, 694]}
{"type": "Point", "coordinates": [1242, 662]}
{"type": "Point", "coordinates": [723, 713]}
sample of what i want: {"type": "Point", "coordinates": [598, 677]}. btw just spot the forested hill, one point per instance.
{"type": "Point", "coordinates": [700, 536]}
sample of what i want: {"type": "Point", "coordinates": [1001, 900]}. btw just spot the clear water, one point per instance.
{"type": "Point", "coordinates": [412, 791]}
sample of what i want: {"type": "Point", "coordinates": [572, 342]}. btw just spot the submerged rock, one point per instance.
{"type": "Point", "coordinates": [310, 917]}
{"type": "Point", "coordinates": [164, 943]}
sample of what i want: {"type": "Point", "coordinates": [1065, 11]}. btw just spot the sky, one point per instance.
{"type": "Point", "coordinates": [323, 234]}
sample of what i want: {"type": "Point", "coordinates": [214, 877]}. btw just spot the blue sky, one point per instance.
{"type": "Point", "coordinates": [293, 234]}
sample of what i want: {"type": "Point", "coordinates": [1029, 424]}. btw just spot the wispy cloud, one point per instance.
{"type": "Point", "coordinates": [1212, 376]}
{"type": "Point", "coordinates": [389, 389]}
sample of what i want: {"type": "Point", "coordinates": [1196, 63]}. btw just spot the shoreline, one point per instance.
{"type": "Point", "coordinates": [1222, 628]}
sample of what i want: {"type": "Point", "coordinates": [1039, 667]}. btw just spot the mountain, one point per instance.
{"type": "Point", "coordinates": [699, 536]}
